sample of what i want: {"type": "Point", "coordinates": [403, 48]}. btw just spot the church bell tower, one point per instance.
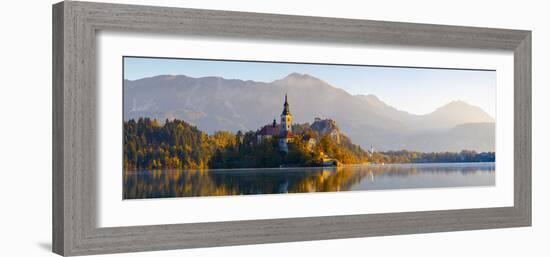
{"type": "Point", "coordinates": [286, 117]}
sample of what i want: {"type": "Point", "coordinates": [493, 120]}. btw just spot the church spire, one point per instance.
{"type": "Point", "coordinates": [286, 110]}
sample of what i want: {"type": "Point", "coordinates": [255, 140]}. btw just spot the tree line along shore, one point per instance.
{"type": "Point", "coordinates": [176, 144]}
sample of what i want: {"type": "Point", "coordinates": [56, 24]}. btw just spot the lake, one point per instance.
{"type": "Point", "coordinates": [167, 183]}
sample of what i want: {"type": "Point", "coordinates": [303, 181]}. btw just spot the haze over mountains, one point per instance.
{"type": "Point", "coordinates": [215, 103]}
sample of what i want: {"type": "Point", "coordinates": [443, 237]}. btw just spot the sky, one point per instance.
{"type": "Point", "coordinates": [415, 90]}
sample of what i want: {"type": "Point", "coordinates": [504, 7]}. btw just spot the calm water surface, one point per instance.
{"type": "Point", "coordinates": [166, 183]}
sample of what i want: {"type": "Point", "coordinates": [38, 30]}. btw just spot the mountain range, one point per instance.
{"type": "Point", "coordinates": [215, 103]}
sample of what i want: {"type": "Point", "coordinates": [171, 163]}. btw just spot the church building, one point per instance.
{"type": "Point", "coordinates": [282, 131]}
{"type": "Point", "coordinates": [285, 136]}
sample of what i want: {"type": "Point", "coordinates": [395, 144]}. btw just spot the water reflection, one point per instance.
{"type": "Point", "coordinates": [162, 183]}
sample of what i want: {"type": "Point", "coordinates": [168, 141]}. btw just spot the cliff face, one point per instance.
{"type": "Point", "coordinates": [326, 127]}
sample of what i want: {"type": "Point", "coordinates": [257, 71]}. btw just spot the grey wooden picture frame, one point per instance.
{"type": "Point", "coordinates": [75, 25]}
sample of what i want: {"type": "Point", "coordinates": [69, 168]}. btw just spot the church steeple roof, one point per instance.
{"type": "Point", "coordinates": [286, 110]}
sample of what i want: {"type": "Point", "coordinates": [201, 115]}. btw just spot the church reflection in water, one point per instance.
{"type": "Point", "coordinates": [163, 184]}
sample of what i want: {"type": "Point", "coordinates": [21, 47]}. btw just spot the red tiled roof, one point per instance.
{"type": "Point", "coordinates": [269, 130]}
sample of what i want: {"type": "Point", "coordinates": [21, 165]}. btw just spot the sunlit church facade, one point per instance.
{"type": "Point", "coordinates": [282, 131]}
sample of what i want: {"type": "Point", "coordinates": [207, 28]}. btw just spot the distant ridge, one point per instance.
{"type": "Point", "coordinates": [215, 103]}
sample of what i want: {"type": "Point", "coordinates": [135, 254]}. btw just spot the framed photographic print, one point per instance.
{"type": "Point", "coordinates": [181, 128]}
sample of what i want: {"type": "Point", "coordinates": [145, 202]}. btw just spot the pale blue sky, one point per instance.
{"type": "Point", "coordinates": [414, 90]}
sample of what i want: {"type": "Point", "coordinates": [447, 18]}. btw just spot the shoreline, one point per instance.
{"type": "Point", "coordinates": [316, 167]}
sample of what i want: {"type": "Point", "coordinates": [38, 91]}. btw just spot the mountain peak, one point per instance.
{"type": "Point", "coordinates": [457, 103]}
{"type": "Point", "coordinates": [462, 109]}
{"type": "Point", "coordinates": [298, 75]}
{"type": "Point", "coordinates": [303, 81]}
{"type": "Point", "coordinates": [302, 77]}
